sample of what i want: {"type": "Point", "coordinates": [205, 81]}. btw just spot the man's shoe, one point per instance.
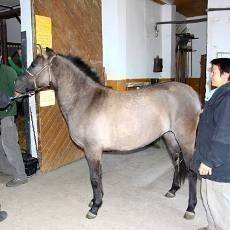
{"type": "Point", "coordinates": [3, 215]}
{"type": "Point", "coordinates": [16, 182]}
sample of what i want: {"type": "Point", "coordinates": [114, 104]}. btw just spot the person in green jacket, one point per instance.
{"type": "Point", "coordinates": [16, 62]}
{"type": "Point", "coordinates": [18, 65]}
{"type": "Point", "coordinates": [10, 154]}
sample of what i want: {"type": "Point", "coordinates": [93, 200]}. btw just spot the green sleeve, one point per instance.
{"type": "Point", "coordinates": [15, 67]}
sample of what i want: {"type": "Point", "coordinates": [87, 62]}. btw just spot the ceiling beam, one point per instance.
{"type": "Point", "coordinates": [9, 7]}
{"type": "Point", "coordinates": [10, 13]}
{"type": "Point", "coordinates": [159, 1]}
{"type": "Point", "coordinates": [162, 2]}
{"type": "Point", "coordinates": [5, 6]}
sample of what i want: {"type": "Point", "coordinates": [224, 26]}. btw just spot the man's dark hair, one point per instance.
{"type": "Point", "coordinates": [223, 64]}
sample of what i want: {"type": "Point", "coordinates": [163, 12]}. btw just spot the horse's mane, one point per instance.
{"type": "Point", "coordinates": [78, 62]}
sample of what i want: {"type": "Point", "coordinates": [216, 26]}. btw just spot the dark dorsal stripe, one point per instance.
{"type": "Point", "coordinates": [83, 67]}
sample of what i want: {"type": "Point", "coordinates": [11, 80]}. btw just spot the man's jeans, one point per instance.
{"type": "Point", "coordinates": [11, 161]}
{"type": "Point", "coordinates": [216, 201]}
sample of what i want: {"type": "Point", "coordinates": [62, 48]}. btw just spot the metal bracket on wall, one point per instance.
{"type": "Point", "coordinates": [10, 12]}
{"type": "Point", "coordinates": [217, 9]}
{"type": "Point", "coordinates": [156, 30]}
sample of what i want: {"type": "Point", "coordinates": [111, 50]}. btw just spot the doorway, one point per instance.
{"type": "Point", "coordinates": [10, 43]}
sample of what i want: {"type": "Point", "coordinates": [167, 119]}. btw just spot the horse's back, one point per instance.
{"type": "Point", "coordinates": [182, 92]}
{"type": "Point", "coordinates": [170, 96]}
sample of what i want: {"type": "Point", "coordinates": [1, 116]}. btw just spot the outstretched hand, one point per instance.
{"type": "Point", "coordinates": [204, 170]}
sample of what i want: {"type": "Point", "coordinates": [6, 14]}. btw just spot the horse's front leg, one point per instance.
{"type": "Point", "coordinates": [192, 180]}
{"type": "Point", "coordinates": [94, 161]}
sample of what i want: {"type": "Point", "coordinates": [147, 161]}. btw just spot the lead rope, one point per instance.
{"type": "Point", "coordinates": [178, 160]}
{"type": "Point", "coordinates": [31, 93]}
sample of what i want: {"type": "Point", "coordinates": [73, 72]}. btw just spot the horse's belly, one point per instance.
{"type": "Point", "coordinates": [135, 132]}
{"type": "Point", "coordinates": [128, 140]}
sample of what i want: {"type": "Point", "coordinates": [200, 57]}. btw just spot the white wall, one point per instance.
{"type": "Point", "coordinates": [135, 39]}
{"type": "Point", "coordinates": [142, 45]}
{"type": "Point", "coordinates": [26, 25]}
{"type": "Point", "coordinates": [218, 34]}
{"type": "Point", "coordinates": [129, 44]}
{"type": "Point", "coordinates": [13, 30]}
{"type": "Point", "coordinates": [114, 38]}
{"type": "Point", "coordinates": [199, 45]}
{"type": "Point", "coordinates": [168, 13]}
{"type": "Point", "coordinates": [218, 3]}
{"type": "Point", "coordinates": [153, 43]}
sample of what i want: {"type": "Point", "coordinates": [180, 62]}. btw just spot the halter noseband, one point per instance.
{"type": "Point", "coordinates": [37, 75]}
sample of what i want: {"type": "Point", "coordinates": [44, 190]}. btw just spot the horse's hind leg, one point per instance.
{"type": "Point", "coordinates": [187, 147]}
{"type": "Point", "coordinates": [178, 162]}
{"type": "Point", "coordinates": [94, 161]}
{"type": "Point", "coordinates": [192, 180]}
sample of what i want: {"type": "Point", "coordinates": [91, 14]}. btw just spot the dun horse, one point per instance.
{"type": "Point", "coordinates": [101, 119]}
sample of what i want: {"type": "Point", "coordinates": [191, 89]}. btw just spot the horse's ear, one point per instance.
{"type": "Point", "coordinates": [49, 52]}
{"type": "Point", "coordinates": [38, 49]}
{"type": "Point", "coordinates": [44, 51]}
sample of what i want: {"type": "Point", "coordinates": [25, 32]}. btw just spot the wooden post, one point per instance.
{"type": "Point", "coordinates": [3, 36]}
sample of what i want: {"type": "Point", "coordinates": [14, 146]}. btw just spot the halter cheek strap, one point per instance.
{"type": "Point", "coordinates": [37, 75]}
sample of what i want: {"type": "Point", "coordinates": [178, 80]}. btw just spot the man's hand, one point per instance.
{"type": "Point", "coordinates": [204, 170]}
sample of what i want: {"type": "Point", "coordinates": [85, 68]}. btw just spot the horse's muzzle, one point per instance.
{"type": "Point", "coordinates": [20, 85]}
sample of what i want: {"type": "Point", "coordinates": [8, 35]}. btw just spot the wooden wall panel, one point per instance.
{"type": "Point", "coordinates": [76, 30]}
{"type": "Point", "coordinates": [55, 145]}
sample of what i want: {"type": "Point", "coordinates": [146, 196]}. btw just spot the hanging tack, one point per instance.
{"type": "Point", "coordinates": [157, 67]}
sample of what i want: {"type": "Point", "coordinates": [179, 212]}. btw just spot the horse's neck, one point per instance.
{"type": "Point", "coordinates": [74, 90]}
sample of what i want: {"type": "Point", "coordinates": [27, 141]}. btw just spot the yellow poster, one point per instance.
{"type": "Point", "coordinates": [47, 98]}
{"type": "Point", "coordinates": [43, 31]}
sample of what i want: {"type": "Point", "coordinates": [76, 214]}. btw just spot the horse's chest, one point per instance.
{"type": "Point", "coordinates": [76, 136]}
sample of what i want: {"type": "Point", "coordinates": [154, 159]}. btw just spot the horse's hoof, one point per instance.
{"type": "Point", "coordinates": [189, 215]}
{"type": "Point", "coordinates": [90, 215]}
{"type": "Point", "coordinates": [91, 204]}
{"type": "Point", "coordinates": [170, 195]}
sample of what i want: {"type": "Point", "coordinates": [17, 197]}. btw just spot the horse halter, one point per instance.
{"type": "Point", "coordinates": [37, 75]}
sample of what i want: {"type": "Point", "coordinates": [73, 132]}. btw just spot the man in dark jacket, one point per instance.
{"type": "Point", "coordinates": [211, 158]}
{"type": "Point", "coordinates": [4, 102]}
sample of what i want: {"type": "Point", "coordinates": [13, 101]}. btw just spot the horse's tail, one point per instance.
{"type": "Point", "coordinates": [181, 168]}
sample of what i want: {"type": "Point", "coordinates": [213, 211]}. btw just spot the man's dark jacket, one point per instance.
{"type": "Point", "coordinates": [213, 136]}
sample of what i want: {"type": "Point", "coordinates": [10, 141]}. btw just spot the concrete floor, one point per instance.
{"type": "Point", "coordinates": [134, 186]}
